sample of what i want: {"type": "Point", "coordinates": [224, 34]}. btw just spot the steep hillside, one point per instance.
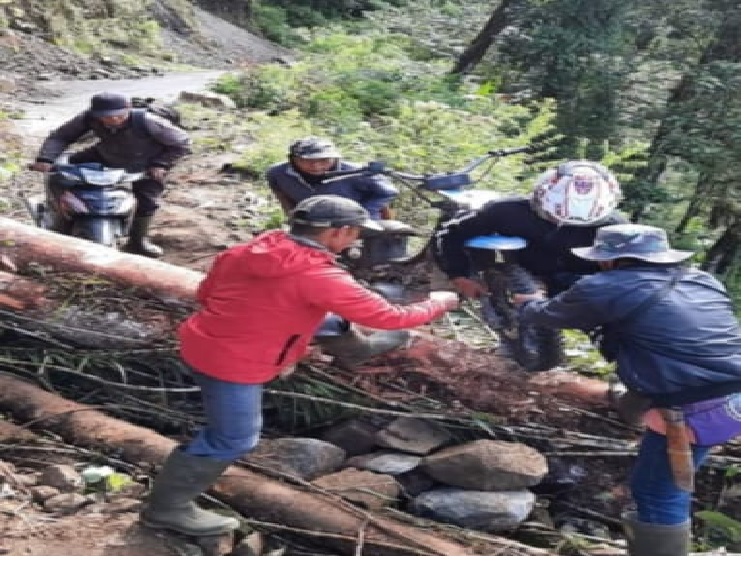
{"type": "Point", "coordinates": [120, 38]}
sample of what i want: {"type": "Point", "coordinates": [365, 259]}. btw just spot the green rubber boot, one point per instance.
{"type": "Point", "coordinates": [352, 348]}
{"type": "Point", "coordinates": [171, 503]}
{"type": "Point", "coordinates": [649, 539]}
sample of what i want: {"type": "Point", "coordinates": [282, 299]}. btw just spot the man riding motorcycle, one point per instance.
{"type": "Point", "coordinates": [151, 144]}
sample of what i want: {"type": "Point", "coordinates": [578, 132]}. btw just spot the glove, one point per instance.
{"type": "Point", "coordinates": [157, 173]}
{"type": "Point", "coordinates": [469, 288]}
{"type": "Point", "coordinates": [40, 166]}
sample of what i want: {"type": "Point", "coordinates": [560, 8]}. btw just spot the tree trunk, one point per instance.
{"type": "Point", "coordinates": [252, 494]}
{"type": "Point", "coordinates": [484, 40]}
{"type": "Point", "coordinates": [725, 250]}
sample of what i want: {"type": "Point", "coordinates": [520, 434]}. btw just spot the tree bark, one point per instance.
{"type": "Point", "coordinates": [476, 50]}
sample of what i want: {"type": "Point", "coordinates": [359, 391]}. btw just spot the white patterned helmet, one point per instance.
{"type": "Point", "coordinates": [576, 193]}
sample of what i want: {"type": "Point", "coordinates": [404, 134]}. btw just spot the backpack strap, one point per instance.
{"type": "Point", "coordinates": [138, 118]}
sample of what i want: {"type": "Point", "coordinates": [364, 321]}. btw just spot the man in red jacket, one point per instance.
{"type": "Point", "coordinates": [261, 304]}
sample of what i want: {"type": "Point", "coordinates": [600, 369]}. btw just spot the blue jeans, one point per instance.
{"type": "Point", "coordinates": [658, 500]}
{"type": "Point", "coordinates": [234, 418]}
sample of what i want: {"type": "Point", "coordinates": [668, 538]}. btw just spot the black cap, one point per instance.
{"type": "Point", "coordinates": [332, 211]}
{"type": "Point", "coordinates": [108, 104]}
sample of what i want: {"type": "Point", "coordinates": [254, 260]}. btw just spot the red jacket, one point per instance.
{"type": "Point", "coordinates": [262, 302]}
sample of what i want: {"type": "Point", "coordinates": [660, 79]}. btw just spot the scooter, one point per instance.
{"type": "Point", "coordinates": [492, 257]}
{"type": "Point", "coordinates": [88, 201]}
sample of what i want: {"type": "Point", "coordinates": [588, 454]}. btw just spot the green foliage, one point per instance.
{"type": "Point", "coordinates": [719, 528]}
{"type": "Point", "coordinates": [278, 19]}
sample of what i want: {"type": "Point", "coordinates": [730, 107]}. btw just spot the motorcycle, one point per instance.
{"type": "Point", "coordinates": [492, 257]}
{"type": "Point", "coordinates": [88, 201]}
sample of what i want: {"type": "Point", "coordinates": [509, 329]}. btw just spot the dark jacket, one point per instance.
{"type": "Point", "coordinates": [161, 145]}
{"type": "Point", "coordinates": [548, 246]}
{"type": "Point", "coordinates": [372, 192]}
{"type": "Point", "coordinates": [682, 348]}
{"type": "Point", "coordinates": [262, 301]}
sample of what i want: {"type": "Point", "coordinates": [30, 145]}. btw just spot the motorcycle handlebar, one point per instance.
{"type": "Point", "coordinates": [379, 168]}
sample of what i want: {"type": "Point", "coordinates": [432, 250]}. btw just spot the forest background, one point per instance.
{"type": "Point", "coordinates": [651, 89]}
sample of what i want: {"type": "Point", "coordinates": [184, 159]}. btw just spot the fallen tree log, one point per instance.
{"type": "Point", "coordinates": [478, 380]}
{"type": "Point", "coordinates": [251, 494]}
{"type": "Point", "coordinates": [24, 244]}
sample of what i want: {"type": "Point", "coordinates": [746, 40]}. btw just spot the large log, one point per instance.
{"type": "Point", "coordinates": [479, 380]}
{"type": "Point", "coordinates": [24, 244]}
{"type": "Point", "coordinates": [250, 493]}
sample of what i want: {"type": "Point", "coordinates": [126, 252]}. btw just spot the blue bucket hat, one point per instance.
{"type": "Point", "coordinates": [646, 243]}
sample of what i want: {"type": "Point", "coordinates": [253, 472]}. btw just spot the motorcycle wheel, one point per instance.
{"type": "Point", "coordinates": [534, 348]}
{"type": "Point", "coordinates": [104, 232]}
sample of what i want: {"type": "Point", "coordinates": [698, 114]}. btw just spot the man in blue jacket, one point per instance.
{"type": "Point", "coordinates": [302, 177]}
{"type": "Point", "coordinates": [676, 341]}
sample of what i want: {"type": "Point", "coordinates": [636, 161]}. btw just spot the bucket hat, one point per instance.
{"type": "Point", "coordinates": [646, 243]}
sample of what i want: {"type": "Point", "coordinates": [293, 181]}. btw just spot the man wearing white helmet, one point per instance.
{"type": "Point", "coordinates": [568, 204]}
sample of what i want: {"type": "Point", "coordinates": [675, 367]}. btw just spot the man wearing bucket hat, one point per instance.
{"type": "Point", "coordinates": [261, 303]}
{"type": "Point", "coordinates": [301, 176]}
{"type": "Point", "coordinates": [133, 139]}
{"type": "Point", "coordinates": [676, 341]}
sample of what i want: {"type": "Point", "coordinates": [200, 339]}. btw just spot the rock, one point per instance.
{"type": "Point", "coordinates": [487, 465]}
{"type": "Point", "coordinates": [251, 545]}
{"type": "Point", "coordinates": [366, 488]}
{"type": "Point", "coordinates": [484, 511]}
{"type": "Point", "coordinates": [43, 493]}
{"type": "Point", "coordinates": [66, 503]}
{"type": "Point", "coordinates": [63, 477]}
{"type": "Point", "coordinates": [218, 545]}
{"type": "Point", "coordinates": [207, 99]}
{"type": "Point", "coordinates": [10, 432]}
{"type": "Point", "coordinates": [385, 462]}
{"type": "Point", "coordinates": [356, 437]}
{"type": "Point", "coordinates": [412, 435]}
{"type": "Point", "coordinates": [302, 457]}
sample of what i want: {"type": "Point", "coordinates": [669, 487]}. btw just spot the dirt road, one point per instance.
{"type": "Point", "coordinates": [65, 98]}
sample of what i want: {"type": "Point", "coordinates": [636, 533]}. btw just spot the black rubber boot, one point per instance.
{"type": "Point", "coordinates": [138, 243]}
{"type": "Point", "coordinates": [648, 539]}
{"type": "Point", "coordinates": [171, 506]}
{"type": "Point", "coordinates": [352, 348]}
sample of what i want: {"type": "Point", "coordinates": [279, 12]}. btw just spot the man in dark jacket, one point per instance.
{"type": "Point", "coordinates": [676, 341]}
{"type": "Point", "coordinates": [137, 142]}
{"type": "Point", "coordinates": [261, 303]}
{"type": "Point", "coordinates": [301, 177]}
{"type": "Point", "coordinates": [568, 204]}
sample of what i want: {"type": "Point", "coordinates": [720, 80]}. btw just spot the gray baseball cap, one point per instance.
{"type": "Point", "coordinates": [312, 148]}
{"type": "Point", "coordinates": [646, 243]}
{"type": "Point", "coordinates": [332, 211]}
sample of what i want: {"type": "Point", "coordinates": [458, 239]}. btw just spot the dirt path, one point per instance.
{"type": "Point", "coordinates": [65, 98]}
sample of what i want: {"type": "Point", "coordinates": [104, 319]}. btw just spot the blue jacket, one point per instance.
{"type": "Point", "coordinates": [372, 192]}
{"type": "Point", "coordinates": [683, 348]}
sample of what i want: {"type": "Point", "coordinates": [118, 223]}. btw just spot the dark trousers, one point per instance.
{"type": "Point", "coordinates": [146, 191]}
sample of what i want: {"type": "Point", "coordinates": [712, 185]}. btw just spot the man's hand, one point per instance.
{"type": "Point", "coordinates": [519, 298]}
{"type": "Point", "coordinates": [448, 299]}
{"type": "Point", "coordinates": [469, 287]}
{"type": "Point", "coordinates": [157, 173]}
{"type": "Point", "coordinates": [40, 166]}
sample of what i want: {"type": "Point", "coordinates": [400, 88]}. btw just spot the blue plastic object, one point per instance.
{"type": "Point", "coordinates": [496, 242]}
